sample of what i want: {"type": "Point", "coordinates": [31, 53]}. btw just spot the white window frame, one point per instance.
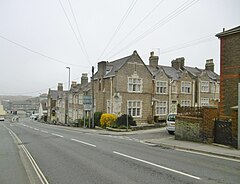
{"type": "Point", "coordinates": [186, 87]}
{"type": "Point", "coordinates": [204, 102]}
{"type": "Point", "coordinates": [204, 86]}
{"type": "Point", "coordinates": [161, 108]}
{"type": "Point", "coordinates": [134, 108]}
{"type": "Point", "coordinates": [161, 87]}
{"type": "Point", "coordinates": [185, 103]}
{"type": "Point", "coordinates": [134, 85]}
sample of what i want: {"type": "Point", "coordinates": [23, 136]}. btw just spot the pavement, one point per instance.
{"type": "Point", "coordinates": [170, 142]}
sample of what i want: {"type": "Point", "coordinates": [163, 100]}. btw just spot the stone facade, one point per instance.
{"type": "Point", "coordinates": [76, 96]}
{"type": "Point", "coordinates": [182, 85]}
{"type": "Point", "coordinates": [125, 87]}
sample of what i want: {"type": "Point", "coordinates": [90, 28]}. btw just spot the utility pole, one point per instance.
{"type": "Point", "coordinates": [68, 95]}
{"type": "Point", "coordinates": [92, 96]}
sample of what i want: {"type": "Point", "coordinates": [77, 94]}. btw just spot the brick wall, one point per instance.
{"type": "Point", "coordinates": [207, 124]}
{"type": "Point", "coordinates": [230, 72]}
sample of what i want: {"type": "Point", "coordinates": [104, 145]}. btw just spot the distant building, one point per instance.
{"type": "Point", "coordinates": [54, 107]}
{"type": "Point", "coordinates": [229, 69]}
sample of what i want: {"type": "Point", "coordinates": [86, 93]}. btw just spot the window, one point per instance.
{"type": "Point", "coordinates": [185, 103]}
{"type": "Point", "coordinates": [204, 101]}
{"type": "Point", "coordinates": [161, 108]}
{"type": "Point", "coordinates": [99, 85]}
{"type": "Point", "coordinates": [134, 108]}
{"type": "Point", "coordinates": [205, 86]}
{"type": "Point", "coordinates": [161, 87]}
{"type": "Point", "coordinates": [186, 87]}
{"type": "Point", "coordinates": [134, 85]}
{"type": "Point", "coordinates": [80, 99]}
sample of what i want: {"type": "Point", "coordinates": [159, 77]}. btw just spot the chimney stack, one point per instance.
{"type": "Point", "coordinates": [84, 79]}
{"type": "Point", "coordinates": [60, 87]}
{"type": "Point", "coordinates": [74, 84]}
{"type": "Point", "coordinates": [102, 68]}
{"type": "Point", "coordinates": [178, 63]}
{"type": "Point", "coordinates": [209, 65]}
{"type": "Point", "coordinates": [153, 60]}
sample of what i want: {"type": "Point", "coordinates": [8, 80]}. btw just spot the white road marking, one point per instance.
{"type": "Point", "coordinates": [156, 165]}
{"type": "Point", "coordinates": [208, 155]}
{"type": "Point", "coordinates": [56, 135]}
{"type": "Point", "coordinates": [36, 129]}
{"type": "Point", "coordinates": [33, 162]}
{"type": "Point", "coordinates": [44, 131]}
{"type": "Point", "coordinates": [84, 143]}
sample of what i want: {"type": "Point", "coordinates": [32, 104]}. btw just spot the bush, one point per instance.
{"type": "Point", "coordinates": [107, 120]}
{"type": "Point", "coordinates": [97, 117]}
{"type": "Point", "coordinates": [122, 121]}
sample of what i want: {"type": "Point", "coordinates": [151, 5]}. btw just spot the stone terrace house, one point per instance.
{"type": "Point", "coordinates": [76, 96]}
{"type": "Point", "coordinates": [229, 69]}
{"type": "Point", "coordinates": [124, 86]}
{"type": "Point", "coordinates": [53, 104]}
{"type": "Point", "coordinates": [183, 85]}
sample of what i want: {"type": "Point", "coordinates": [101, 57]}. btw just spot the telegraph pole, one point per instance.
{"type": "Point", "coordinates": [92, 96]}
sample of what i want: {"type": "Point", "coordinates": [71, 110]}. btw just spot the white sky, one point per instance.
{"type": "Point", "coordinates": [42, 27]}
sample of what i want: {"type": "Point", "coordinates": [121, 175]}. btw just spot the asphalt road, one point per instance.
{"type": "Point", "coordinates": [69, 156]}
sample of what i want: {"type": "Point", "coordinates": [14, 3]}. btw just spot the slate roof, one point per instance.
{"type": "Point", "coordinates": [229, 32]}
{"type": "Point", "coordinates": [176, 74]}
{"type": "Point", "coordinates": [55, 94]}
{"type": "Point", "coordinates": [112, 67]}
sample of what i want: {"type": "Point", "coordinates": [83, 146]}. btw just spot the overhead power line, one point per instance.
{"type": "Point", "coordinates": [159, 24]}
{"type": "Point", "coordinates": [82, 46]}
{"type": "Point", "coordinates": [39, 53]}
{"type": "Point", "coordinates": [130, 8]}
{"type": "Point", "coordinates": [188, 44]}
{"type": "Point", "coordinates": [139, 23]}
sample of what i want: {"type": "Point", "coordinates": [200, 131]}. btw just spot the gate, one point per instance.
{"type": "Point", "coordinates": [223, 132]}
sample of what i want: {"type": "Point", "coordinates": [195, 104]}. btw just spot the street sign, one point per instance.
{"type": "Point", "coordinates": [87, 100]}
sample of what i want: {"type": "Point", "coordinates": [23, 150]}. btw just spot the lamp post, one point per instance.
{"type": "Point", "coordinates": [92, 96]}
{"type": "Point", "coordinates": [68, 77]}
{"type": "Point", "coordinates": [67, 114]}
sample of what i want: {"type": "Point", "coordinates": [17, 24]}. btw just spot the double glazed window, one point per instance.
{"type": "Point", "coordinates": [205, 86]}
{"type": "Point", "coordinates": [161, 108]}
{"type": "Point", "coordinates": [186, 87]}
{"type": "Point", "coordinates": [185, 103]}
{"type": "Point", "coordinates": [134, 108]}
{"type": "Point", "coordinates": [204, 101]}
{"type": "Point", "coordinates": [134, 84]}
{"type": "Point", "coordinates": [161, 87]}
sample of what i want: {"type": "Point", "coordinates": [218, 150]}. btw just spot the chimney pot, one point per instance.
{"type": "Point", "coordinates": [153, 60]}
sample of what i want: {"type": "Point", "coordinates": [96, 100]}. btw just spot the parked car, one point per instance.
{"type": "Point", "coordinates": [34, 116]}
{"type": "Point", "coordinates": [171, 123]}
{"type": "Point", "coordinates": [2, 118]}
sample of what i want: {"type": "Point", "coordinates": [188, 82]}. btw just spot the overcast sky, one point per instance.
{"type": "Point", "coordinates": [40, 38]}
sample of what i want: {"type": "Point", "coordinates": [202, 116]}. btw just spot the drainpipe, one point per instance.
{"type": "Point", "coordinates": [199, 93]}
{"type": "Point", "coordinates": [193, 94]}
{"type": "Point", "coordinates": [111, 94]}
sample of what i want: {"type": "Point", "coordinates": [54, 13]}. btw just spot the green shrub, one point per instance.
{"type": "Point", "coordinates": [122, 121]}
{"type": "Point", "coordinates": [97, 117]}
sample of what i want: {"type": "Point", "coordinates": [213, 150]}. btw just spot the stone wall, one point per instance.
{"type": "Point", "coordinates": [188, 128]}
